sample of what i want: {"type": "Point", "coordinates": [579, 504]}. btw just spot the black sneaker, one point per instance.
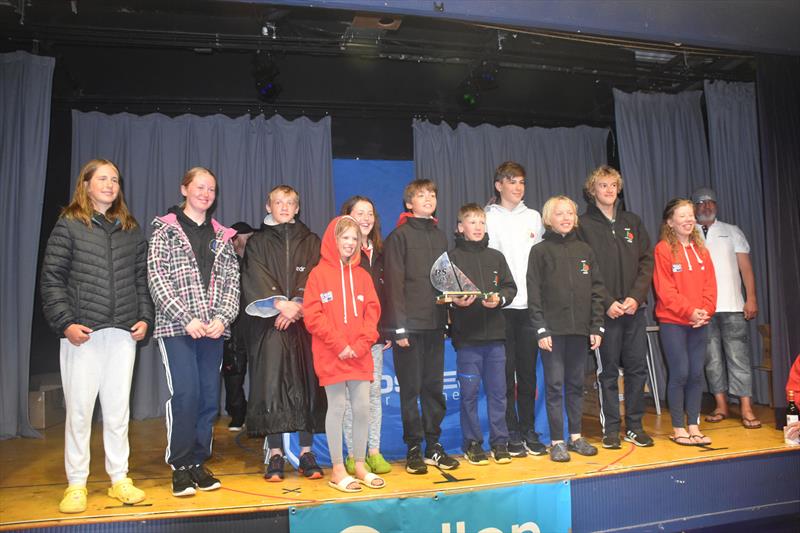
{"type": "Point", "coordinates": [611, 442]}
{"type": "Point", "coordinates": [517, 449]}
{"type": "Point", "coordinates": [436, 456]}
{"type": "Point", "coordinates": [308, 466]}
{"type": "Point", "coordinates": [236, 424]}
{"type": "Point", "coordinates": [533, 445]}
{"type": "Point", "coordinates": [274, 471]}
{"type": "Point", "coordinates": [414, 462]}
{"type": "Point", "coordinates": [581, 446]}
{"type": "Point", "coordinates": [500, 454]}
{"type": "Point", "coordinates": [639, 438]}
{"type": "Point", "coordinates": [475, 454]}
{"type": "Point", "coordinates": [559, 453]}
{"type": "Point", "coordinates": [204, 478]}
{"type": "Point", "coordinates": [182, 482]}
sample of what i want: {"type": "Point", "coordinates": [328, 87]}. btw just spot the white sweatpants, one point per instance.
{"type": "Point", "coordinates": [104, 365]}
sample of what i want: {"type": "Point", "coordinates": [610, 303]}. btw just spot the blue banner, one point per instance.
{"type": "Point", "coordinates": [520, 509]}
{"type": "Point", "coordinates": [392, 445]}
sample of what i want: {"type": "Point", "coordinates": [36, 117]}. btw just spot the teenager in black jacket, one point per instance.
{"type": "Point", "coordinates": [479, 334]}
{"type": "Point", "coordinates": [94, 294]}
{"type": "Point", "coordinates": [285, 395]}
{"type": "Point", "coordinates": [625, 259]}
{"type": "Point", "coordinates": [416, 324]}
{"type": "Point", "coordinates": [566, 306]}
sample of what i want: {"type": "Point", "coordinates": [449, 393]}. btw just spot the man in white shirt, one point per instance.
{"type": "Point", "coordinates": [513, 229]}
{"type": "Point", "coordinates": [728, 361]}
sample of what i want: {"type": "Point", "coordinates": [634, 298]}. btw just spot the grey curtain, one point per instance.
{"type": "Point", "coordinates": [778, 79]}
{"type": "Point", "coordinates": [25, 92]}
{"type": "Point", "coordinates": [462, 161]}
{"type": "Point", "coordinates": [248, 156]}
{"type": "Point", "coordinates": [736, 178]}
{"type": "Point", "coordinates": [662, 150]}
{"type": "Point", "coordinates": [663, 154]}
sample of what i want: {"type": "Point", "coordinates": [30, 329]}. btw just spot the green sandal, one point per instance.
{"type": "Point", "coordinates": [350, 466]}
{"type": "Point", "coordinates": [377, 464]}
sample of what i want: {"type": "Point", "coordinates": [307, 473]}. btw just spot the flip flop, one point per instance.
{"type": "Point", "coordinates": [700, 436]}
{"type": "Point", "coordinates": [751, 423]}
{"type": "Point", "coordinates": [344, 484]}
{"type": "Point", "coordinates": [369, 480]}
{"type": "Point", "coordinates": [715, 417]}
{"type": "Point", "coordinates": [677, 440]}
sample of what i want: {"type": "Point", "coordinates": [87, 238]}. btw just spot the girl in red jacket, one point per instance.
{"type": "Point", "coordinates": [341, 312]}
{"type": "Point", "coordinates": [686, 293]}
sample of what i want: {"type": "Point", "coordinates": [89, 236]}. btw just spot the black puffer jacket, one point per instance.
{"type": "Point", "coordinates": [95, 276]}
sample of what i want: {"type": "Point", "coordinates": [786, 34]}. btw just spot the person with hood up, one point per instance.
{"type": "Point", "coordinates": [341, 312]}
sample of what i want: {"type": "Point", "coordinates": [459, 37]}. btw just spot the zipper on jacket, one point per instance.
{"type": "Point", "coordinates": [483, 284]}
{"type": "Point", "coordinates": [111, 279]}
{"type": "Point", "coordinates": [288, 266]}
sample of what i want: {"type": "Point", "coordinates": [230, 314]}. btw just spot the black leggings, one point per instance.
{"type": "Point", "coordinates": [564, 370]}
{"type": "Point", "coordinates": [276, 440]}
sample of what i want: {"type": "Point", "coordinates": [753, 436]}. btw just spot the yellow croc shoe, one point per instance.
{"type": "Point", "coordinates": [124, 491]}
{"type": "Point", "coordinates": [74, 500]}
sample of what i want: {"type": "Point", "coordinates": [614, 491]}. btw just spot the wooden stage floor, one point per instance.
{"type": "Point", "coordinates": [32, 472]}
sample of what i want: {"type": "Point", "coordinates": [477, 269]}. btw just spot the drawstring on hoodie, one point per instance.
{"type": "Point", "coordinates": [352, 291]}
{"type": "Point", "coordinates": [697, 257]}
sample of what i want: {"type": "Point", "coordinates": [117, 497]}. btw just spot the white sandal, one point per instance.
{"type": "Point", "coordinates": [370, 478]}
{"type": "Point", "coordinates": [344, 484]}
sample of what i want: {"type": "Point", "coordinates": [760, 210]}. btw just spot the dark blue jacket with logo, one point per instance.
{"type": "Point", "coordinates": [565, 288]}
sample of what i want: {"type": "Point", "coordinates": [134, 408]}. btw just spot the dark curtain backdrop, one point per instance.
{"type": "Point", "coordinates": [778, 94]}
{"type": "Point", "coordinates": [25, 95]}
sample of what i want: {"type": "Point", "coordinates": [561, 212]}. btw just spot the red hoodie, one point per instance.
{"type": "Point", "coordinates": [340, 308]}
{"type": "Point", "coordinates": [684, 281]}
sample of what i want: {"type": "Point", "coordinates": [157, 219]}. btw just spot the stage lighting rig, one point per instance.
{"type": "Point", "coordinates": [265, 74]}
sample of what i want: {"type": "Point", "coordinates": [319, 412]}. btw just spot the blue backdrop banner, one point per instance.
{"type": "Point", "coordinates": [521, 509]}
{"type": "Point", "coordinates": [392, 445]}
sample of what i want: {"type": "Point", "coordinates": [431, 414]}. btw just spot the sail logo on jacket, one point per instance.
{"type": "Point", "coordinates": [676, 267]}
{"type": "Point", "coordinates": [585, 267]}
{"type": "Point", "coordinates": [628, 236]}
{"type": "Point", "coordinates": [326, 296]}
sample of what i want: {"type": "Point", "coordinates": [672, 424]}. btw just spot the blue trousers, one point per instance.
{"type": "Point", "coordinates": [685, 350]}
{"type": "Point", "coordinates": [487, 363]}
{"type": "Point", "coordinates": [192, 367]}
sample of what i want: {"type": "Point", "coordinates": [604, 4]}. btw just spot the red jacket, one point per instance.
{"type": "Point", "coordinates": [340, 309]}
{"type": "Point", "coordinates": [793, 383]}
{"type": "Point", "coordinates": [684, 281]}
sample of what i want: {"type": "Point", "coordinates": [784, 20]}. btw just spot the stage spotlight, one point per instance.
{"type": "Point", "coordinates": [265, 73]}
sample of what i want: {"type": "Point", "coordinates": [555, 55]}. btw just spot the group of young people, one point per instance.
{"type": "Point", "coordinates": [317, 314]}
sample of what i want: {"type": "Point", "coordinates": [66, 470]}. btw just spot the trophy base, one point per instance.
{"type": "Point", "coordinates": [447, 297]}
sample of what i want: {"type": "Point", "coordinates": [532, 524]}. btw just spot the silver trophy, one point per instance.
{"type": "Point", "coordinates": [448, 279]}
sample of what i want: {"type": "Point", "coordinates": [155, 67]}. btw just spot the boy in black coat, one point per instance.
{"type": "Point", "coordinates": [625, 259]}
{"type": "Point", "coordinates": [566, 306]}
{"type": "Point", "coordinates": [478, 333]}
{"type": "Point", "coordinates": [416, 324]}
{"type": "Point", "coordinates": [285, 395]}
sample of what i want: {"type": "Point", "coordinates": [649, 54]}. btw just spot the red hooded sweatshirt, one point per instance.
{"type": "Point", "coordinates": [684, 281]}
{"type": "Point", "coordinates": [340, 309]}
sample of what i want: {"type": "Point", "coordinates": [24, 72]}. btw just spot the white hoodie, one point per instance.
{"type": "Point", "coordinates": [513, 233]}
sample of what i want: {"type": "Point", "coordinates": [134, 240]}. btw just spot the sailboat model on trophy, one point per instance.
{"type": "Point", "coordinates": [448, 279]}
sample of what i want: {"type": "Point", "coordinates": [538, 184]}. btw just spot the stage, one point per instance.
{"type": "Point", "coordinates": [744, 475]}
